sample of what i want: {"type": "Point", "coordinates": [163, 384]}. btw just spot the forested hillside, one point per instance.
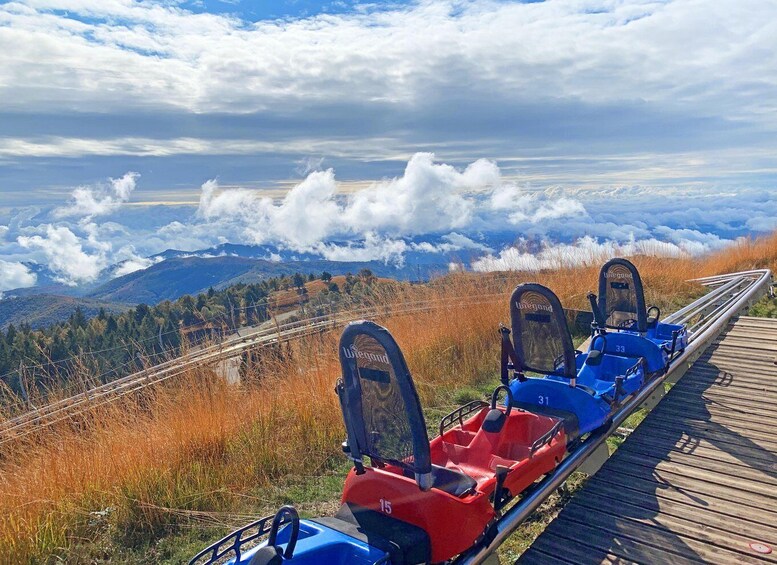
{"type": "Point", "coordinates": [43, 310]}
{"type": "Point", "coordinates": [110, 345]}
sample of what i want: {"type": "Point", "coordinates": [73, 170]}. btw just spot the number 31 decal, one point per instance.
{"type": "Point", "coordinates": [544, 400]}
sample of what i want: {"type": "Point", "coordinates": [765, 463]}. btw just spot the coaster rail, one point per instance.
{"type": "Point", "coordinates": [706, 318]}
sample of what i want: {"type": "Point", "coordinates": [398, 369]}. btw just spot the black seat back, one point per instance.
{"type": "Point", "coordinates": [542, 340]}
{"type": "Point", "coordinates": [621, 296]}
{"type": "Point", "coordinates": [380, 404]}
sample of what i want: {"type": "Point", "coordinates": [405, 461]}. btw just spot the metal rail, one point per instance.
{"type": "Point", "coordinates": [32, 421]}
{"type": "Point", "coordinates": [735, 292]}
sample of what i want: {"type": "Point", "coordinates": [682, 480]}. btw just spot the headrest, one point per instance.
{"type": "Point", "coordinates": [543, 343]}
{"type": "Point", "coordinates": [621, 297]}
{"type": "Point", "coordinates": [380, 404]}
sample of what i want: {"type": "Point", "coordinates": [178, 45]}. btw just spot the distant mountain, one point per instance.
{"type": "Point", "coordinates": [45, 309]}
{"type": "Point", "coordinates": [171, 279]}
{"type": "Point", "coordinates": [175, 277]}
{"type": "Point", "coordinates": [177, 272]}
{"type": "Point", "coordinates": [422, 250]}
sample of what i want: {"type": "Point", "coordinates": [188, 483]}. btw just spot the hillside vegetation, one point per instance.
{"type": "Point", "coordinates": [44, 310]}
{"type": "Point", "coordinates": [152, 478]}
{"type": "Point", "coordinates": [83, 351]}
{"type": "Point", "coordinates": [53, 302]}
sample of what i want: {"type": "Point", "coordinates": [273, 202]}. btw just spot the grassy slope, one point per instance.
{"type": "Point", "coordinates": [156, 476]}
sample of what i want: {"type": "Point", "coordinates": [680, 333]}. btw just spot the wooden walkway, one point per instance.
{"type": "Point", "coordinates": [697, 480]}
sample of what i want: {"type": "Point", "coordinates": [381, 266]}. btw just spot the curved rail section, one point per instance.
{"type": "Point", "coordinates": [29, 422]}
{"type": "Point", "coordinates": [706, 318]}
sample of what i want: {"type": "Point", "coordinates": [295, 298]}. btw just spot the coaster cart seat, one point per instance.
{"type": "Point", "coordinates": [453, 487]}
{"type": "Point", "coordinates": [582, 388]}
{"type": "Point", "coordinates": [292, 541]}
{"type": "Point", "coordinates": [632, 329]}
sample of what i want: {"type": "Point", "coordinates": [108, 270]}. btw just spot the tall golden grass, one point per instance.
{"type": "Point", "coordinates": [199, 445]}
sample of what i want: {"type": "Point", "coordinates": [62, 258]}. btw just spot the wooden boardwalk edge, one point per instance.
{"type": "Point", "coordinates": [697, 480]}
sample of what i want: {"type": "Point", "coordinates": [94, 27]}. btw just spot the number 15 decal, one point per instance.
{"type": "Point", "coordinates": [385, 506]}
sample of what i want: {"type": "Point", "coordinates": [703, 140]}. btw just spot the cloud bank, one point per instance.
{"type": "Point", "coordinates": [585, 251]}
{"type": "Point", "coordinates": [65, 255]}
{"type": "Point", "coordinates": [431, 208]}
{"type": "Point", "coordinates": [427, 198]}
{"type": "Point", "coordinates": [563, 92]}
{"type": "Point", "coordinates": [88, 202]}
{"type": "Point", "coordinates": [15, 275]}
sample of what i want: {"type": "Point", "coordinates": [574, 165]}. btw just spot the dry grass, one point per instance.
{"type": "Point", "coordinates": [159, 460]}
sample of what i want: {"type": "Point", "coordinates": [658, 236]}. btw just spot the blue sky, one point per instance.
{"type": "Point", "coordinates": [256, 10]}
{"type": "Point", "coordinates": [614, 105]}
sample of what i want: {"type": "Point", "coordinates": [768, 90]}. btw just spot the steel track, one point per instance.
{"type": "Point", "coordinates": [706, 318]}
{"type": "Point", "coordinates": [57, 411]}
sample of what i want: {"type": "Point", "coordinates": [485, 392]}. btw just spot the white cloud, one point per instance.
{"type": "Point", "coordinates": [135, 264]}
{"type": "Point", "coordinates": [460, 241]}
{"type": "Point", "coordinates": [89, 201]}
{"type": "Point", "coordinates": [533, 207]}
{"type": "Point", "coordinates": [762, 223]}
{"type": "Point", "coordinates": [65, 254]}
{"type": "Point", "coordinates": [373, 248]}
{"type": "Point", "coordinates": [15, 275]}
{"type": "Point", "coordinates": [429, 197]}
{"type": "Point", "coordinates": [602, 77]}
{"type": "Point", "coordinates": [305, 216]}
{"type": "Point", "coordinates": [592, 49]}
{"type": "Point", "coordinates": [586, 251]}
{"type": "Point", "coordinates": [430, 208]}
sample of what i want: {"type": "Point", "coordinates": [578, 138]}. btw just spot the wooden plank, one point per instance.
{"type": "Point", "coordinates": [751, 398]}
{"type": "Point", "coordinates": [726, 373]}
{"type": "Point", "coordinates": [535, 556]}
{"type": "Point", "coordinates": [569, 548]}
{"type": "Point", "coordinates": [597, 540]}
{"type": "Point", "coordinates": [640, 455]}
{"type": "Point", "coordinates": [732, 429]}
{"type": "Point", "coordinates": [716, 414]}
{"type": "Point", "coordinates": [728, 384]}
{"type": "Point", "coordinates": [702, 514]}
{"type": "Point", "coordinates": [755, 343]}
{"type": "Point", "coordinates": [753, 365]}
{"type": "Point", "coordinates": [744, 332]}
{"type": "Point", "coordinates": [729, 354]}
{"type": "Point", "coordinates": [752, 333]}
{"type": "Point", "coordinates": [756, 321]}
{"type": "Point", "coordinates": [685, 441]}
{"type": "Point", "coordinates": [717, 409]}
{"type": "Point", "coordinates": [751, 488]}
{"type": "Point", "coordinates": [623, 530]}
{"type": "Point", "coordinates": [696, 494]}
{"type": "Point", "coordinates": [712, 542]}
{"type": "Point", "coordinates": [749, 343]}
{"type": "Point", "coordinates": [748, 369]}
{"type": "Point", "coordinates": [697, 480]}
{"type": "Point", "coordinates": [712, 404]}
{"type": "Point", "coordinates": [745, 456]}
{"type": "Point", "coordinates": [760, 354]}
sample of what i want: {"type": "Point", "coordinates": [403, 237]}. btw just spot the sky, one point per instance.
{"type": "Point", "coordinates": [129, 127]}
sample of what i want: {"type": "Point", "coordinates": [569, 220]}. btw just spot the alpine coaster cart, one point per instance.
{"type": "Point", "coordinates": [410, 500]}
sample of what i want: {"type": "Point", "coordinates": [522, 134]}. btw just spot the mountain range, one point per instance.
{"type": "Point", "coordinates": [175, 273]}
